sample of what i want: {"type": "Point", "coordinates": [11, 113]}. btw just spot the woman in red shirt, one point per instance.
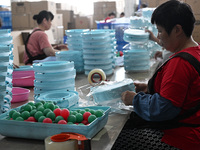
{"type": "Point", "coordinates": [175, 87]}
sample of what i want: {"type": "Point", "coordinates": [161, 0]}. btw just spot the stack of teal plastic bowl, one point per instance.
{"type": "Point", "coordinates": [54, 75]}
{"type": "Point", "coordinates": [75, 43]}
{"type": "Point", "coordinates": [137, 58]}
{"type": "Point", "coordinates": [6, 69]}
{"type": "Point", "coordinates": [75, 56]}
{"type": "Point", "coordinates": [98, 51]}
{"type": "Point", "coordinates": [74, 39]}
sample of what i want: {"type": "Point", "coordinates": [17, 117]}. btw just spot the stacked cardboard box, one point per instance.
{"type": "Point", "coordinates": [68, 19]}
{"type": "Point", "coordinates": [195, 7]}
{"type": "Point", "coordinates": [102, 9]}
{"type": "Point", "coordinates": [82, 22]}
{"type": "Point", "coordinates": [23, 12]}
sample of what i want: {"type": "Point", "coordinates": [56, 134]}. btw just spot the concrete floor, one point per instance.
{"type": "Point", "coordinates": [105, 138]}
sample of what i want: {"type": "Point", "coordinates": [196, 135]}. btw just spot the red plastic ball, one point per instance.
{"type": "Point", "coordinates": [47, 120]}
{"type": "Point", "coordinates": [57, 111]}
{"type": "Point", "coordinates": [62, 122]}
{"type": "Point", "coordinates": [86, 115]}
{"type": "Point", "coordinates": [65, 113]}
{"type": "Point", "coordinates": [31, 119]}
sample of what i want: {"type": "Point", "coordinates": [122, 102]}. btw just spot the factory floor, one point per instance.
{"type": "Point", "coordinates": [102, 140]}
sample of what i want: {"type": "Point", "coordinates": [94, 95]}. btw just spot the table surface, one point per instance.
{"type": "Point", "coordinates": [102, 140]}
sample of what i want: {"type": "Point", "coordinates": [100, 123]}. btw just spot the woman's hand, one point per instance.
{"type": "Point", "coordinates": [15, 66]}
{"type": "Point", "coordinates": [127, 97]}
{"type": "Point", "coordinates": [158, 54]}
{"type": "Point", "coordinates": [140, 87]}
{"type": "Point", "coordinates": [61, 47]}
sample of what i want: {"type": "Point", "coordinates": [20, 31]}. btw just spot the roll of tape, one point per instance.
{"type": "Point", "coordinates": [96, 72]}
{"type": "Point", "coordinates": [65, 145]}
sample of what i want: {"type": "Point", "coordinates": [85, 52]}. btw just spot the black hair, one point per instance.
{"type": "Point", "coordinates": [43, 14]}
{"type": "Point", "coordinates": [122, 13]}
{"type": "Point", "coordinates": [143, 5]}
{"type": "Point", "coordinates": [111, 14]}
{"type": "Point", "coordinates": [174, 12]}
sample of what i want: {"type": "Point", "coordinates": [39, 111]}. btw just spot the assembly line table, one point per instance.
{"type": "Point", "coordinates": [102, 140]}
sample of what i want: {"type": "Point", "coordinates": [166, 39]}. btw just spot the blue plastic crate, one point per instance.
{"type": "Point", "coordinates": [6, 18]}
{"type": "Point", "coordinates": [104, 26]}
{"type": "Point", "coordinates": [40, 131]}
{"type": "Point", "coordinates": [119, 30]}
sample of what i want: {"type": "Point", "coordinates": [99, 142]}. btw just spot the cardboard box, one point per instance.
{"type": "Point", "coordinates": [195, 4]}
{"type": "Point", "coordinates": [196, 32]}
{"type": "Point", "coordinates": [36, 7]}
{"type": "Point", "coordinates": [104, 4]}
{"type": "Point", "coordinates": [21, 49]}
{"type": "Point", "coordinates": [20, 21]}
{"type": "Point", "coordinates": [68, 17]}
{"type": "Point", "coordinates": [58, 20]}
{"type": "Point", "coordinates": [82, 22]}
{"type": "Point", "coordinates": [58, 33]}
{"type": "Point", "coordinates": [63, 6]}
{"type": "Point", "coordinates": [20, 7]}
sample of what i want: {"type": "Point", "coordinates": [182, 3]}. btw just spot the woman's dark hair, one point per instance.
{"type": "Point", "coordinates": [111, 14]}
{"type": "Point", "coordinates": [43, 14]}
{"type": "Point", "coordinates": [174, 12]}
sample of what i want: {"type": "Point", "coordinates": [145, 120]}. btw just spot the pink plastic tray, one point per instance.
{"type": "Point", "coordinates": [23, 78]}
{"type": "Point", "coordinates": [19, 94]}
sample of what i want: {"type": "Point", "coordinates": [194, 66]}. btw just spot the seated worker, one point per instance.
{"type": "Point", "coordinates": [122, 15]}
{"type": "Point", "coordinates": [110, 16]}
{"type": "Point", "coordinates": [174, 90]}
{"type": "Point", "coordinates": [37, 45]}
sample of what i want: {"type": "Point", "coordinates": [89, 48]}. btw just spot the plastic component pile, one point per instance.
{"type": "Point", "coordinates": [6, 69]}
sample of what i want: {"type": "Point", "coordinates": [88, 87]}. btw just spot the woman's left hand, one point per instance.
{"type": "Point", "coordinates": [127, 97]}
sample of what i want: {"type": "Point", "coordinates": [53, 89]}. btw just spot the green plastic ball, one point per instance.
{"type": "Point", "coordinates": [38, 104]}
{"type": "Point", "coordinates": [19, 119]}
{"type": "Point", "coordinates": [41, 118]}
{"type": "Point", "coordinates": [51, 115]}
{"type": "Point", "coordinates": [27, 107]}
{"type": "Point", "coordinates": [11, 113]}
{"type": "Point", "coordinates": [91, 118]}
{"type": "Point", "coordinates": [46, 111]}
{"type": "Point", "coordinates": [33, 112]}
{"type": "Point", "coordinates": [98, 113]}
{"type": "Point", "coordinates": [92, 111]}
{"type": "Point", "coordinates": [50, 106]}
{"type": "Point", "coordinates": [79, 117]}
{"type": "Point", "coordinates": [58, 118]}
{"type": "Point", "coordinates": [82, 111]}
{"type": "Point", "coordinates": [25, 115]}
{"type": "Point", "coordinates": [71, 118]}
{"type": "Point", "coordinates": [38, 114]}
{"type": "Point", "coordinates": [15, 115]}
{"type": "Point", "coordinates": [40, 108]}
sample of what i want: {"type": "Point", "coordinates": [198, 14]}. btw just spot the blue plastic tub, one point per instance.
{"type": "Point", "coordinates": [104, 25]}
{"type": "Point", "coordinates": [40, 131]}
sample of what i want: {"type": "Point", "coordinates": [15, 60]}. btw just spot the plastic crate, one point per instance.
{"type": "Point", "coordinates": [40, 131]}
{"type": "Point", "coordinates": [6, 18]}
{"type": "Point", "coordinates": [104, 25]}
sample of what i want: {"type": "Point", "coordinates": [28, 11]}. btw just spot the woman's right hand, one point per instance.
{"type": "Point", "coordinates": [127, 97]}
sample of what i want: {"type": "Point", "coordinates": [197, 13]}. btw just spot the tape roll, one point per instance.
{"type": "Point", "coordinates": [65, 145]}
{"type": "Point", "coordinates": [96, 72]}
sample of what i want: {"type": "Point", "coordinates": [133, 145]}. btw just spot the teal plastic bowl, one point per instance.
{"type": "Point", "coordinates": [52, 66]}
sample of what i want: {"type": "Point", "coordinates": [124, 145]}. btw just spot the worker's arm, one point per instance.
{"type": "Point", "coordinates": [50, 51]}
